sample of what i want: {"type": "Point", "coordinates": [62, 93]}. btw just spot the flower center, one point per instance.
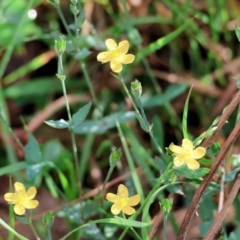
{"type": "Point", "coordinates": [123, 201]}
{"type": "Point", "coordinates": [115, 53]}
{"type": "Point", "coordinates": [21, 197]}
{"type": "Point", "coordinates": [186, 154]}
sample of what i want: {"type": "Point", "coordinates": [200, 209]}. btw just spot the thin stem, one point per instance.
{"type": "Point", "coordinates": [90, 86]}
{"type": "Point", "coordinates": [107, 178]}
{"type": "Point", "coordinates": [74, 145]}
{"type": "Point", "coordinates": [5, 225]}
{"type": "Point", "coordinates": [131, 165]}
{"type": "Point", "coordinates": [133, 230]}
{"type": "Point", "coordinates": [32, 226]}
{"type": "Point", "coordinates": [49, 234]}
{"type": "Point", "coordinates": [82, 63]}
{"type": "Point", "coordinates": [143, 116]}
{"type": "Point", "coordinates": [12, 132]}
{"type": "Point", "coordinates": [165, 227]}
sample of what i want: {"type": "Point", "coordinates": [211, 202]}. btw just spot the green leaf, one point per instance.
{"type": "Point", "coordinates": [185, 114]}
{"type": "Point", "coordinates": [238, 83]}
{"type": "Point", "coordinates": [234, 235]}
{"type": "Point", "coordinates": [237, 31]}
{"type": "Point", "coordinates": [10, 169]}
{"type": "Point", "coordinates": [158, 130]}
{"type": "Point", "coordinates": [92, 232]}
{"type": "Point", "coordinates": [204, 227]}
{"type": "Point", "coordinates": [52, 150]}
{"type": "Point", "coordinates": [24, 220]}
{"type": "Point", "coordinates": [230, 176]}
{"type": "Point", "coordinates": [206, 208]}
{"type": "Point", "coordinates": [81, 115]}
{"type": "Point", "coordinates": [33, 171]}
{"type": "Point", "coordinates": [101, 126]}
{"type": "Point", "coordinates": [60, 124]}
{"type": "Point", "coordinates": [33, 153]}
{"type": "Point", "coordinates": [173, 91]}
{"type": "Point", "coordinates": [80, 19]}
{"type": "Point", "coordinates": [82, 54]}
{"type": "Point", "coordinates": [186, 172]}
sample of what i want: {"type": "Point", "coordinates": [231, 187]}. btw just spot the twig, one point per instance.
{"type": "Point", "coordinates": [221, 215]}
{"type": "Point", "coordinates": [221, 195]}
{"type": "Point", "coordinates": [219, 159]}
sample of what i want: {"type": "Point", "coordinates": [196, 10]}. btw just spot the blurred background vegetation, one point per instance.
{"type": "Point", "coordinates": [177, 44]}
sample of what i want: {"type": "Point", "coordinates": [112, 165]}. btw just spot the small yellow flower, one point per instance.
{"type": "Point", "coordinates": [187, 154]}
{"type": "Point", "coordinates": [21, 198]}
{"type": "Point", "coordinates": [122, 202]}
{"type": "Point", "coordinates": [116, 55]}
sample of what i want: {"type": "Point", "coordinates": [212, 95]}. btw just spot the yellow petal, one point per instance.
{"type": "Point", "coordinates": [128, 210]}
{"type": "Point", "coordinates": [19, 209]}
{"type": "Point", "coordinates": [19, 187]}
{"type": "Point", "coordinates": [104, 57]}
{"type": "Point", "coordinates": [134, 200]}
{"type": "Point", "coordinates": [30, 204]}
{"type": "Point", "coordinates": [116, 209]}
{"type": "Point", "coordinates": [31, 193]}
{"type": "Point", "coordinates": [176, 149]}
{"type": "Point", "coordinates": [112, 197]}
{"type": "Point", "coordinates": [178, 161]}
{"type": "Point", "coordinates": [122, 191]}
{"type": "Point", "coordinates": [192, 164]}
{"type": "Point", "coordinates": [126, 59]}
{"type": "Point", "coordinates": [116, 66]}
{"type": "Point", "coordinates": [123, 47]}
{"type": "Point", "coordinates": [11, 197]}
{"type": "Point", "coordinates": [187, 144]}
{"type": "Point", "coordinates": [199, 152]}
{"type": "Point", "coordinates": [111, 44]}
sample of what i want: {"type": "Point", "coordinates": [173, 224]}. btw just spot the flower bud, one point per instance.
{"type": "Point", "coordinates": [60, 46]}
{"type": "Point", "coordinates": [166, 206]}
{"type": "Point", "coordinates": [115, 157]}
{"type": "Point", "coordinates": [48, 219]}
{"type": "Point", "coordinates": [136, 88]}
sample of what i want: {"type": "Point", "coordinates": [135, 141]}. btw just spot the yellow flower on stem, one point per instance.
{"type": "Point", "coordinates": [116, 55]}
{"type": "Point", "coordinates": [22, 198]}
{"type": "Point", "coordinates": [187, 154]}
{"type": "Point", "coordinates": [122, 202]}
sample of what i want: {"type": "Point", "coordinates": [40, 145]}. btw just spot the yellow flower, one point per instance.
{"type": "Point", "coordinates": [21, 198]}
{"type": "Point", "coordinates": [122, 202]}
{"type": "Point", "coordinates": [187, 154]}
{"type": "Point", "coordinates": [116, 55]}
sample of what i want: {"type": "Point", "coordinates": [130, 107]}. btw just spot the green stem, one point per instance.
{"type": "Point", "coordinates": [141, 116]}
{"type": "Point", "coordinates": [107, 178]}
{"type": "Point", "coordinates": [49, 234]}
{"type": "Point", "coordinates": [11, 131]}
{"type": "Point", "coordinates": [32, 226]}
{"type": "Point", "coordinates": [165, 227]}
{"type": "Point", "coordinates": [5, 225]}
{"type": "Point", "coordinates": [135, 176]}
{"type": "Point", "coordinates": [73, 139]}
{"type": "Point", "coordinates": [90, 86]}
{"type": "Point", "coordinates": [82, 63]}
